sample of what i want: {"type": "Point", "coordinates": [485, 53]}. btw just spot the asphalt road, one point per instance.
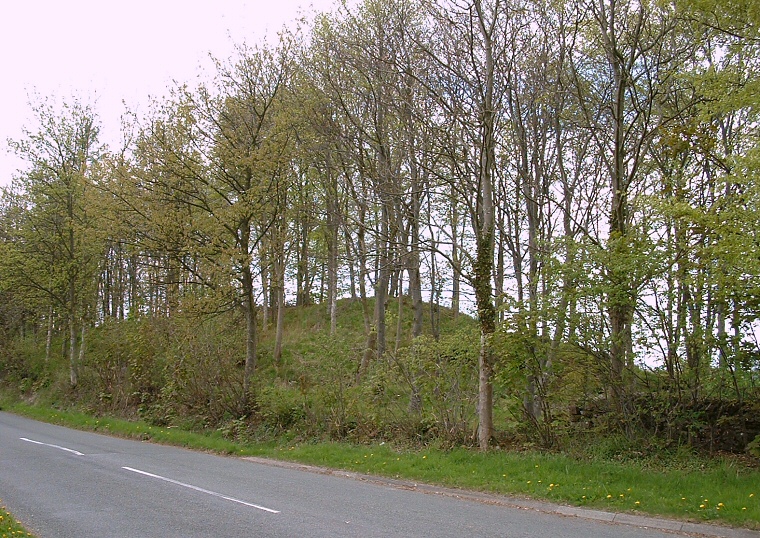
{"type": "Point", "coordinates": [64, 483]}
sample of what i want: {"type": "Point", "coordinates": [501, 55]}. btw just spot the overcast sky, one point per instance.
{"type": "Point", "coordinates": [106, 51]}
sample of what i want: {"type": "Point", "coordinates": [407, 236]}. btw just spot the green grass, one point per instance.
{"type": "Point", "coordinates": [9, 527]}
{"type": "Point", "coordinates": [716, 490]}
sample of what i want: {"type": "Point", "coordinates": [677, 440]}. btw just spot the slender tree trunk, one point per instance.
{"type": "Point", "coordinates": [265, 287]}
{"type": "Point", "coordinates": [279, 291]}
{"type": "Point", "coordinates": [303, 284]}
{"type": "Point", "coordinates": [135, 300]}
{"type": "Point", "coordinates": [485, 224]}
{"type": "Point", "coordinates": [399, 313]}
{"type": "Point", "coordinates": [73, 367]}
{"type": "Point", "coordinates": [456, 267]}
{"type": "Point", "coordinates": [249, 308]}
{"type": "Point", "coordinates": [363, 272]}
{"type": "Point", "coordinates": [435, 313]}
{"type": "Point", "coordinates": [332, 251]}
{"type": "Point", "coordinates": [82, 343]}
{"type": "Point", "coordinates": [49, 336]}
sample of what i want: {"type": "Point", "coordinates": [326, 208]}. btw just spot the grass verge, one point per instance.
{"type": "Point", "coordinates": [9, 527]}
{"type": "Point", "coordinates": [716, 490]}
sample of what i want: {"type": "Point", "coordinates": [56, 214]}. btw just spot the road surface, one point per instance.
{"type": "Point", "coordinates": [64, 483]}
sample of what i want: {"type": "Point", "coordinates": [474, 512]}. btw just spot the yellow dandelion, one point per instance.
{"type": "Point", "coordinates": [744, 507]}
{"type": "Point", "coordinates": [424, 457]}
{"type": "Point", "coordinates": [721, 505]}
{"type": "Point", "coordinates": [701, 505]}
{"type": "Point", "coordinates": [609, 496]}
{"type": "Point", "coordinates": [637, 503]}
{"type": "Point", "coordinates": [529, 481]}
{"type": "Point", "coordinates": [751, 495]}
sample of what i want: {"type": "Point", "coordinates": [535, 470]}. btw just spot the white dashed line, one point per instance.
{"type": "Point", "coordinates": [75, 452]}
{"type": "Point", "coordinates": [196, 488]}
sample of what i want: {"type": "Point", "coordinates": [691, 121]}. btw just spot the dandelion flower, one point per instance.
{"type": "Point", "coordinates": [609, 496]}
{"type": "Point", "coordinates": [637, 503]}
{"type": "Point", "coordinates": [701, 505]}
{"type": "Point", "coordinates": [721, 505]}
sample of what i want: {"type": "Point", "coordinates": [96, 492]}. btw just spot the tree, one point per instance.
{"type": "Point", "coordinates": [472, 56]}
{"type": "Point", "coordinates": [57, 251]}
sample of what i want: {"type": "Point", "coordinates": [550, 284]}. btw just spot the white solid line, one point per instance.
{"type": "Point", "coordinates": [196, 488]}
{"type": "Point", "coordinates": [76, 452]}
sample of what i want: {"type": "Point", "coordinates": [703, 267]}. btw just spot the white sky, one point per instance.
{"type": "Point", "coordinates": [107, 51]}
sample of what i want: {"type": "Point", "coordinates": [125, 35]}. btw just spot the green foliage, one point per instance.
{"type": "Point", "coordinates": [541, 382]}
{"type": "Point", "coordinates": [754, 447]}
{"type": "Point", "coordinates": [434, 383]}
{"type": "Point", "coordinates": [279, 408]}
{"type": "Point", "coordinates": [202, 372]}
{"type": "Point", "coordinates": [125, 363]}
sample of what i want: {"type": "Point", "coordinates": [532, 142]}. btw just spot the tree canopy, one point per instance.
{"type": "Point", "coordinates": [581, 177]}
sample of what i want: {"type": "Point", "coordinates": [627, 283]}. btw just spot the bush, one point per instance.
{"type": "Point", "coordinates": [432, 387]}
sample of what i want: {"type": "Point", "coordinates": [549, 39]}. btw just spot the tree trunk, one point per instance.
{"type": "Point", "coordinates": [485, 217]}
{"type": "Point", "coordinates": [73, 367]}
{"type": "Point", "coordinates": [332, 252]}
{"type": "Point", "coordinates": [249, 308]}
{"type": "Point", "coordinates": [456, 268]}
{"type": "Point", "coordinates": [49, 335]}
{"type": "Point", "coordinates": [279, 291]}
